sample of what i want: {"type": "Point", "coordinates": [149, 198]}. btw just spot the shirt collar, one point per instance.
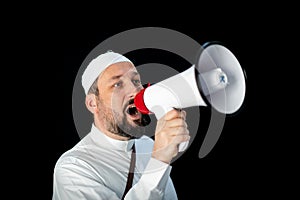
{"type": "Point", "coordinates": [103, 140]}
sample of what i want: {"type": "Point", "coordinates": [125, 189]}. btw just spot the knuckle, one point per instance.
{"type": "Point", "coordinates": [187, 132]}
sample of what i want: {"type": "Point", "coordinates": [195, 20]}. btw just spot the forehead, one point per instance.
{"type": "Point", "coordinates": [118, 69]}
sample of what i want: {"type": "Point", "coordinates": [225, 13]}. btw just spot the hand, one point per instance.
{"type": "Point", "coordinates": [171, 130]}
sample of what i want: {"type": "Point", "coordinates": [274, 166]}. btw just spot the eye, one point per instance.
{"type": "Point", "coordinates": [118, 84]}
{"type": "Point", "coordinates": [136, 82]}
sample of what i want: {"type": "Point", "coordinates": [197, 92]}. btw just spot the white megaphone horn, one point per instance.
{"type": "Point", "coordinates": [216, 80]}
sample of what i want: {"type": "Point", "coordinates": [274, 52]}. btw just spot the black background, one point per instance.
{"type": "Point", "coordinates": [247, 159]}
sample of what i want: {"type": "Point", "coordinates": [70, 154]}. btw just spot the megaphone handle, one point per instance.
{"type": "Point", "coordinates": [183, 146]}
{"type": "Point", "coordinates": [159, 114]}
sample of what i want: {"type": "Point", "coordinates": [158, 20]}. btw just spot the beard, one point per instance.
{"type": "Point", "coordinates": [119, 124]}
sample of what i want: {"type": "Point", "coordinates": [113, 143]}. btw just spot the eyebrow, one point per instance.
{"type": "Point", "coordinates": [115, 77]}
{"type": "Point", "coordinates": [118, 76]}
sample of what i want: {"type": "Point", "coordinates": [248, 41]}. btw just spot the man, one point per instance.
{"type": "Point", "coordinates": [102, 164]}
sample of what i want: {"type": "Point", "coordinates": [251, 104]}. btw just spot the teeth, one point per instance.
{"type": "Point", "coordinates": [132, 110]}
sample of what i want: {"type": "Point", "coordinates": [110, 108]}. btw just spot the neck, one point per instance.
{"type": "Point", "coordinates": [115, 136]}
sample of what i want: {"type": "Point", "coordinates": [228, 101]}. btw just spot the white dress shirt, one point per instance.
{"type": "Point", "coordinates": [97, 168]}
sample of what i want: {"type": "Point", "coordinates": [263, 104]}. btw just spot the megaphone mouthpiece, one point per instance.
{"type": "Point", "coordinates": [139, 102]}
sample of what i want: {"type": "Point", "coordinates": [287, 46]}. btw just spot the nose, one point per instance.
{"type": "Point", "coordinates": [133, 90]}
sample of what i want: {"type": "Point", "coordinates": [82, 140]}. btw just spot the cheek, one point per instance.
{"type": "Point", "coordinates": [106, 101]}
{"type": "Point", "coordinates": [111, 99]}
{"type": "Point", "coordinates": [117, 102]}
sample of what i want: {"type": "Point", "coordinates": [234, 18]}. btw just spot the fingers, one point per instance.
{"type": "Point", "coordinates": [177, 135]}
{"type": "Point", "coordinates": [177, 122]}
{"type": "Point", "coordinates": [173, 119]}
{"type": "Point", "coordinates": [171, 130]}
{"type": "Point", "coordinates": [178, 131]}
{"type": "Point", "coordinates": [174, 131]}
{"type": "Point", "coordinates": [181, 138]}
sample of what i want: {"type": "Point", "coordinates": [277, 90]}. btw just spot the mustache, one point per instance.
{"type": "Point", "coordinates": [131, 101]}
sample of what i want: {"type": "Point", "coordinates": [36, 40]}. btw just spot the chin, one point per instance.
{"type": "Point", "coordinates": [134, 123]}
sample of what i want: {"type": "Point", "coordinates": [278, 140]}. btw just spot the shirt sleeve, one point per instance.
{"type": "Point", "coordinates": [73, 182]}
{"type": "Point", "coordinates": [155, 183]}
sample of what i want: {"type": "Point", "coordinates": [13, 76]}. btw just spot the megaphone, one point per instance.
{"type": "Point", "coordinates": [216, 79]}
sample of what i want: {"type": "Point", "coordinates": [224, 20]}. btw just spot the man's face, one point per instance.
{"type": "Point", "coordinates": [118, 85]}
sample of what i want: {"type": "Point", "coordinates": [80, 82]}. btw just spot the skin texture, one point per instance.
{"type": "Point", "coordinates": [118, 84]}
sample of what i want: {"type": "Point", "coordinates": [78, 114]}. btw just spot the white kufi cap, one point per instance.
{"type": "Point", "coordinates": [98, 65]}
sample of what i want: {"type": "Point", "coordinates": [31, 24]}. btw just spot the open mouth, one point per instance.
{"type": "Point", "coordinates": [132, 110]}
{"type": "Point", "coordinates": [136, 116]}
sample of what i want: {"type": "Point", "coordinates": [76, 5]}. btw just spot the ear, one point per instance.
{"type": "Point", "coordinates": [91, 103]}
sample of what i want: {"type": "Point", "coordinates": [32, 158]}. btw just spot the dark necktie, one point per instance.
{"type": "Point", "coordinates": [131, 172]}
